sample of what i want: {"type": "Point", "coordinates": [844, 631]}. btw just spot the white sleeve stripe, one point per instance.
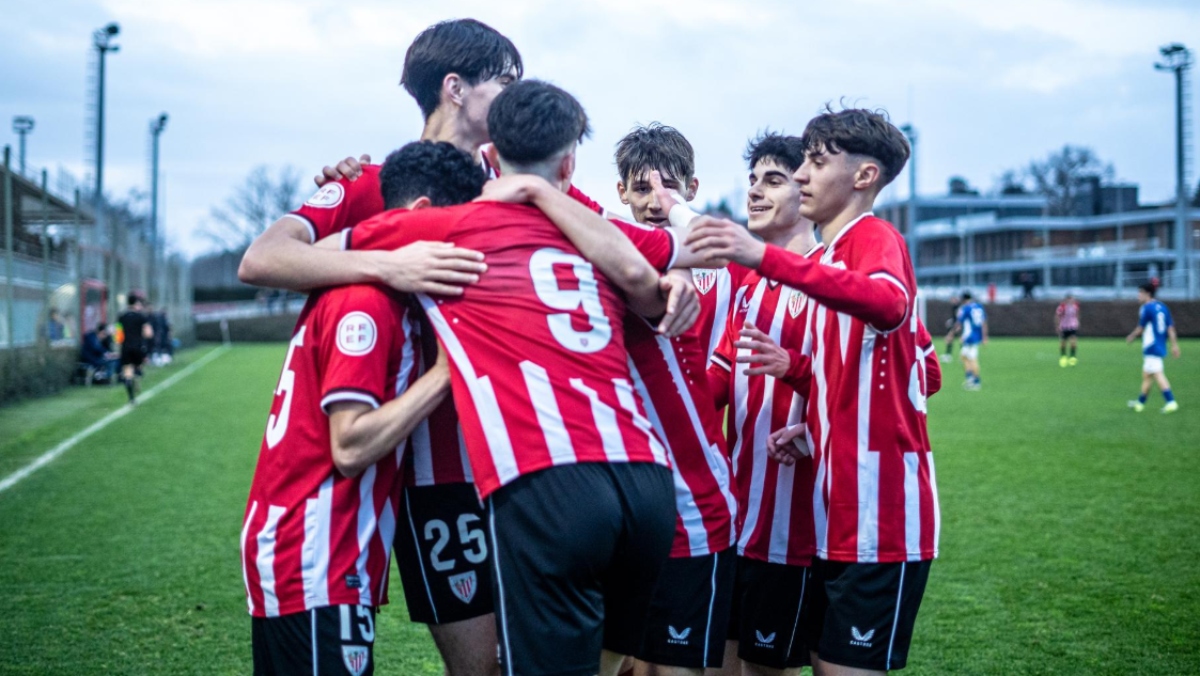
{"type": "Point", "coordinates": [347, 395]}
{"type": "Point", "coordinates": [893, 280]}
{"type": "Point", "coordinates": [312, 230]}
{"type": "Point", "coordinates": [674, 248]}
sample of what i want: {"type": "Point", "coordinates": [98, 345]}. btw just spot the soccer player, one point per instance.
{"type": "Point", "coordinates": [689, 611]}
{"type": "Point", "coordinates": [453, 70]}
{"type": "Point", "coordinates": [1066, 320]}
{"type": "Point", "coordinates": [1156, 328]}
{"type": "Point", "coordinates": [951, 331]}
{"type": "Point", "coordinates": [322, 508]}
{"type": "Point", "coordinates": [581, 514]}
{"type": "Point", "coordinates": [875, 505]}
{"type": "Point", "coordinates": [755, 371]}
{"type": "Point", "coordinates": [135, 326]}
{"type": "Point", "coordinates": [971, 322]}
{"type": "Point", "coordinates": [657, 147]}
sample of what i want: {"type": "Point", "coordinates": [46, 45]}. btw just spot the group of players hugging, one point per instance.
{"type": "Point", "coordinates": [681, 446]}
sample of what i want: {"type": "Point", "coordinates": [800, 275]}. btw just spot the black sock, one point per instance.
{"type": "Point", "coordinates": [1062, 350]}
{"type": "Point", "coordinates": [1072, 350]}
{"type": "Point", "coordinates": [129, 388]}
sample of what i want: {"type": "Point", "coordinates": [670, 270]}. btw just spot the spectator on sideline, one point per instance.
{"type": "Point", "coordinates": [97, 352]}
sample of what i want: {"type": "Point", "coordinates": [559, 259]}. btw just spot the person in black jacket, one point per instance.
{"type": "Point", "coordinates": [138, 334]}
{"type": "Point", "coordinates": [96, 352]}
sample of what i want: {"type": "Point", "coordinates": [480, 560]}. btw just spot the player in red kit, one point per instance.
{"type": "Point", "coordinates": [581, 515]}
{"type": "Point", "coordinates": [453, 70]}
{"type": "Point", "coordinates": [323, 506]}
{"type": "Point", "coordinates": [875, 505]}
{"type": "Point", "coordinates": [775, 533]}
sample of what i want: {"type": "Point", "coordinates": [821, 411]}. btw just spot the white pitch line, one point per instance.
{"type": "Point", "coordinates": [49, 456]}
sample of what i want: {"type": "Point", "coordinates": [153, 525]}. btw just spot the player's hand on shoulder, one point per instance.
{"type": "Point", "coordinates": [349, 169]}
{"type": "Point", "coordinates": [430, 267]}
{"type": "Point", "coordinates": [782, 446]}
{"type": "Point", "coordinates": [513, 189]}
{"type": "Point", "coordinates": [683, 304]}
{"type": "Point", "coordinates": [766, 356]}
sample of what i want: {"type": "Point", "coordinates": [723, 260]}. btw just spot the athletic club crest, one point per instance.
{"type": "Point", "coordinates": [463, 585]}
{"type": "Point", "coordinates": [795, 304]}
{"type": "Point", "coordinates": [357, 658]}
{"type": "Point", "coordinates": [704, 280]}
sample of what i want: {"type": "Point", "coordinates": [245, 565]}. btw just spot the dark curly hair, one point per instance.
{"type": "Point", "coordinates": [786, 151]}
{"type": "Point", "coordinates": [437, 170]}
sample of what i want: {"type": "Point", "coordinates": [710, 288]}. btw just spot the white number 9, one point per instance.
{"type": "Point", "coordinates": [545, 283]}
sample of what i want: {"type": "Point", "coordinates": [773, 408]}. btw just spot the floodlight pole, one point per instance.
{"type": "Point", "coordinates": [911, 212]}
{"type": "Point", "coordinates": [157, 126]}
{"type": "Point", "coordinates": [102, 42]}
{"type": "Point", "coordinates": [1178, 59]}
{"type": "Point", "coordinates": [22, 126]}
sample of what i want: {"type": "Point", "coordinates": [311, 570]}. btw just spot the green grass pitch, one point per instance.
{"type": "Point", "coordinates": [1070, 534]}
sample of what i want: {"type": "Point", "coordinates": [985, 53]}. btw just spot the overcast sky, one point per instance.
{"type": "Point", "coordinates": [988, 85]}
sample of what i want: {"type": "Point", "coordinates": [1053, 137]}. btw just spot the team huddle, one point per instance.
{"type": "Point", "coordinates": [675, 446]}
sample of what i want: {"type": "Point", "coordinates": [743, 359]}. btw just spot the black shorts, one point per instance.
{"type": "Point", "coordinates": [338, 639]}
{"type": "Point", "coordinates": [767, 605]}
{"type": "Point", "coordinates": [443, 554]}
{"type": "Point", "coordinates": [689, 612]}
{"type": "Point", "coordinates": [862, 614]}
{"type": "Point", "coordinates": [578, 550]}
{"type": "Point", "coordinates": [132, 355]}
{"type": "Point", "coordinates": [1068, 333]}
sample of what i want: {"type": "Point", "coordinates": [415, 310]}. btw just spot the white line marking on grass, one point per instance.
{"type": "Point", "coordinates": [49, 456]}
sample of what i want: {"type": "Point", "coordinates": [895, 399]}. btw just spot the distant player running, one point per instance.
{"type": "Point", "coordinates": [135, 325]}
{"type": "Point", "coordinates": [948, 355]}
{"type": "Point", "coordinates": [1156, 327]}
{"type": "Point", "coordinates": [972, 322]}
{"type": "Point", "coordinates": [1066, 320]}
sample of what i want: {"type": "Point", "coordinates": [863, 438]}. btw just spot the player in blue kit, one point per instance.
{"type": "Point", "coordinates": [1156, 328]}
{"type": "Point", "coordinates": [971, 321]}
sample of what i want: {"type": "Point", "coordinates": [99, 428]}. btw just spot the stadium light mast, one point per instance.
{"type": "Point", "coordinates": [1178, 59]}
{"type": "Point", "coordinates": [157, 125]}
{"type": "Point", "coordinates": [22, 126]}
{"type": "Point", "coordinates": [911, 211]}
{"type": "Point", "coordinates": [102, 42]}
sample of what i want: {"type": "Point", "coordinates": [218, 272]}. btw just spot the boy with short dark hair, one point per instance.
{"type": "Point", "coordinates": [876, 511]}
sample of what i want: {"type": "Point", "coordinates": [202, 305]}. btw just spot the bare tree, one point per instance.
{"type": "Point", "coordinates": [1062, 174]}
{"type": "Point", "coordinates": [254, 205]}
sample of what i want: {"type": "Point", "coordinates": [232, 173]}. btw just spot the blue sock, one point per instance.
{"type": "Point", "coordinates": [1141, 398]}
{"type": "Point", "coordinates": [1168, 396]}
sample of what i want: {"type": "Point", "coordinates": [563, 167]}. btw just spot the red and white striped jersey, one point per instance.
{"type": "Point", "coordinates": [311, 536]}
{"type": "Point", "coordinates": [716, 288]}
{"type": "Point", "coordinates": [536, 346]}
{"type": "Point", "coordinates": [669, 374]}
{"type": "Point", "coordinates": [775, 521]}
{"type": "Point", "coordinates": [342, 204]}
{"type": "Point", "coordinates": [876, 497]}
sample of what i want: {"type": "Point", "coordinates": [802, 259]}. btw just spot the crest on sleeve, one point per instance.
{"type": "Point", "coordinates": [356, 334]}
{"type": "Point", "coordinates": [330, 195]}
{"type": "Point", "coordinates": [795, 303]}
{"type": "Point", "coordinates": [704, 279]}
